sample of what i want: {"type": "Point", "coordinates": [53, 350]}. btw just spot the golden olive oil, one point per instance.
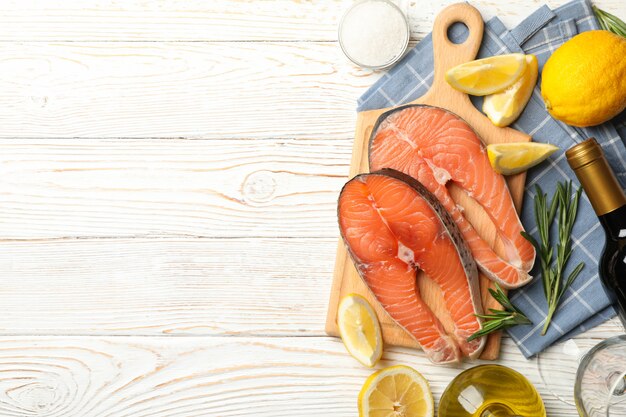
{"type": "Point", "coordinates": [491, 391]}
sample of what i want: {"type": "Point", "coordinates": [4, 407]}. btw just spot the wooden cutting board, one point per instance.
{"type": "Point", "coordinates": [447, 55]}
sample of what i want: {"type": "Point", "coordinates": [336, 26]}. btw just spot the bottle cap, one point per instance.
{"type": "Point", "coordinates": [584, 153]}
{"type": "Point", "coordinates": [596, 176]}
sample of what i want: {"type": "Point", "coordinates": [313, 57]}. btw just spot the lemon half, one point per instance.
{"type": "Point", "coordinates": [396, 391]}
{"type": "Point", "coordinates": [359, 329]}
{"type": "Point", "coordinates": [504, 107]}
{"type": "Point", "coordinates": [487, 75]}
{"type": "Point", "coordinates": [513, 158]}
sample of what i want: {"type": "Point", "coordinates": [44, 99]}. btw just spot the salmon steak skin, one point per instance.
{"type": "Point", "coordinates": [435, 147]}
{"type": "Point", "coordinates": [392, 227]}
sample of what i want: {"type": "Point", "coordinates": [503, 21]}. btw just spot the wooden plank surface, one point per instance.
{"type": "Point", "coordinates": [224, 20]}
{"type": "Point", "coordinates": [209, 90]}
{"type": "Point", "coordinates": [163, 187]}
{"type": "Point", "coordinates": [133, 376]}
{"type": "Point", "coordinates": [168, 179]}
{"type": "Point", "coordinates": [174, 286]}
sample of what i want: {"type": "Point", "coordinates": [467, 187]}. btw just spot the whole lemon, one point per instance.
{"type": "Point", "coordinates": [584, 81]}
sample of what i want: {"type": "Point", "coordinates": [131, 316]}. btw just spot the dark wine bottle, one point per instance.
{"type": "Point", "coordinates": [609, 202]}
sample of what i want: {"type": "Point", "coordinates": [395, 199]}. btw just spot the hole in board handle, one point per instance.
{"type": "Point", "coordinates": [457, 33]}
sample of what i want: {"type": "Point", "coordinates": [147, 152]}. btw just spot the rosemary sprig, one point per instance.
{"type": "Point", "coordinates": [552, 273]}
{"type": "Point", "coordinates": [498, 319]}
{"type": "Point", "coordinates": [610, 22]}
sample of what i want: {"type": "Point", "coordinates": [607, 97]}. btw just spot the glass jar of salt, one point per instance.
{"type": "Point", "coordinates": [374, 33]}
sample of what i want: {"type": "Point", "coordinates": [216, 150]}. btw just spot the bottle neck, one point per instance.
{"type": "Point", "coordinates": [614, 223]}
{"type": "Point", "coordinates": [601, 186]}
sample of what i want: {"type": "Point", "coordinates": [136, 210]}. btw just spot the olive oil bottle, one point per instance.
{"type": "Point", "coordinates": [609, 202]}
{"type": "Point", "coordinates": [491, 391]}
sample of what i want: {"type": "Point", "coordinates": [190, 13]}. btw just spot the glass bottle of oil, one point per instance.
{"type": "Point", "coordinates": [491, 391]}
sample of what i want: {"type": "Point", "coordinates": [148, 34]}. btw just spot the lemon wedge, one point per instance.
{"type": "Point", "coordinates": [504, 107]}
{"type": "Point", "coordinates": [360, 330]}
{"type": "Point", "coordinates": [512, 158]}
{"type": "Point", "coordinates": [488, 75]}
{"type": "Point", "coordinates": [396, 391]}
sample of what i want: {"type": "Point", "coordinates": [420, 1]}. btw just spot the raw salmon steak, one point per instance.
{"type": "Point", "coordinates": [392, 226]}
{"type": "Point", "coordinates": [435, 146]}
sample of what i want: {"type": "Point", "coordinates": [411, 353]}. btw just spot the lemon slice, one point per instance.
{"type": "Point", "coordinates": [360, 330]}
{"type": "Point", "coordinates": [396, 391]}
{"type": "Point", "coordinates": [504, 107]}
{"type": "Point", "coordinates": [512, 158]}
{"type": "Point", "coordinates": [488, 75]}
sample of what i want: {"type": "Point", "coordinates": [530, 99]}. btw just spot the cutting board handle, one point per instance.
{"type": "Point", "coordinates": [448, 54]}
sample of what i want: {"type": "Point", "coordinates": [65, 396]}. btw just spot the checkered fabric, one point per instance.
{"type": "Point", "coordinates": [585, 304]}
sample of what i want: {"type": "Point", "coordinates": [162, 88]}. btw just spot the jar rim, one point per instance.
{"type": "Point", "coordinates": [395, 58]}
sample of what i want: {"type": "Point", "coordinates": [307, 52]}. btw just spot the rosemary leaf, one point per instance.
{"type": "Point", "coordinates": [572, 276]}
{"type": "Point", "coordinates": [500, 319]}
{"type": "Point", "coordinates": [563, 208]}
{"type": "Point", "coordinates": [531, 239]}
{"type": "Point", "coordinates": [610, 22]}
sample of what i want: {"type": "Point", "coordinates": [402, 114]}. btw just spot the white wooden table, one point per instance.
{"type": "Point", "coordinates": [168, 180]}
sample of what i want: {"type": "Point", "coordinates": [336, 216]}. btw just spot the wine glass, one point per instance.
{"type": "Point", "coordinates": [491, 391]}
{"type": "Point", "coordinates": [569, 366]}
{"type": "Point", "coordinates": [600, 389]}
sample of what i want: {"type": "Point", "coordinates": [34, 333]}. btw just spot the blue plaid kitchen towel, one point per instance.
{"type": "Point", "coordinates": [585, 304]}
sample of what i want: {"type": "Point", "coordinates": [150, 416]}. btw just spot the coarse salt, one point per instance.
{"type": "Point", "coordinates": [374, 33]}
